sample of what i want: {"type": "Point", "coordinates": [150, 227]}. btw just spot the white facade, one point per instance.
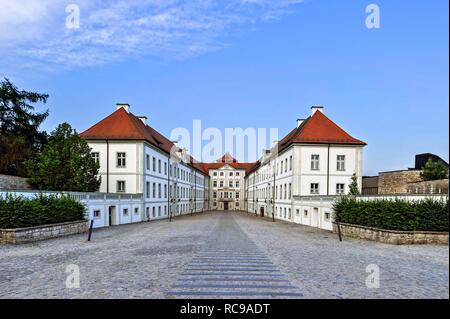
{"type": "Point", "coordinates": [169, 185]}
{"type": "Point", "coordinates": [227, 188]}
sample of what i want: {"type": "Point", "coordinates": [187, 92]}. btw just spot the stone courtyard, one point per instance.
{"type": "Point", "coordinates": [221, 255]}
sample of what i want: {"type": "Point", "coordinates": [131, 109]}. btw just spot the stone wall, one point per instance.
{"type": "Point", "coordinates": [397, 182]}
{"type": "Point", "coordinates": [32, 234]}
{"type": "Point", "coordinates": [439, 186]}
{"type": "Point", "coordinates": [392, 236]}
{"type": "Point", "coordinates": [13, 182]}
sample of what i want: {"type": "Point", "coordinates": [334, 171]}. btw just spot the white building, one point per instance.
{"type": "Point", "coordinates": [136, 159]}
{"type": "Point", "coordinates": [316, 158]}
{"type": "Point", "coordinates": [227, 183]}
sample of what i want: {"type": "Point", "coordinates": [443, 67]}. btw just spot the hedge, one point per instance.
{"type": "Point", "coordinates": [18, 211]}
{"type": "Point", "coordinates": [424, 215]}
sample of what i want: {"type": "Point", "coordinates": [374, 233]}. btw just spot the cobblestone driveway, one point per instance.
{"type": "Point", "coordinates": [221, 254]}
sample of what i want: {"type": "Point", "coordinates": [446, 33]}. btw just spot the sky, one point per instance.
{"type": "Point", "coordinates": [241, 64]}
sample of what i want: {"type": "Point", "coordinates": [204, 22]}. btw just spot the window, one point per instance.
{"type": "Point", "coordinates": [121, 159]}
{"type": "Point", "coordinates": [147, 161]}
{"type": "Point", "coordinates": [96, 157]}
{"type": "Point", "coordinates": [237, 204]}
{"type": "Point", "coordinates": [230, 174]}
{"type": "Point", "coordinates": [165, 168]}
{"type": "Point", "coordinates": [230, 183]}
{"type": "Point", "coordinates": [159, 191]}
{"type": "Point", "coordinates": [286, 165]}
{"type": "Point", "coordinates": [290, 191]}
{"type": "Point", "coordinates": [214, 195]}
{"type": "Point", "coordinates": [340, 188]}
{"type": "Point", "coordinates": [154, 190]}
{"type": "Point", "coordinates": [215, 174]}
{"type": "Point", "coordinates": [159, 211]}
{"type": "Point", "coordinates": [154, 164]}
{"type": "Point", "coordinates": [327, 216]}
{"type": "Point", "coordinates": [237, 184]}
{"type": "Point", "coordinates": [290, 163]}
{"type": "Point", "coordinates": [120, 186]}
{"type": "Point", "coordinates": [221, 173]}
{"type": "Point", "coordinates": [314, 162]}
{"type": "Point", "coordinates": [159, 166]}
{"type": "Point", "coordinates": [237, 174]}
{"type": "Point", "coordinates": [125, 212]}
{"type": "Point", "coordinates": [214, 183]}
{"type": "Point", "coordinates": [136, 210]}
{"type": "Point", "coordinates": [297, 212]}
{"type": "Point", "coordinates": [165, 191]}
{"type": "Point", "coordinates": [305, 213]}
{"type": "Point", "coordinates": [237, 195]}
{"type": "Point", "coordinates": [147, 189]}
{"type": "Point", "coordinates": [314, 188]}
{"type": "Point", "coordinates": [221, 183]}
{"type": "Point", "coordinates": [96, 213]}
{"type": "Point", "coordinates": [340, 163]}
{"type": "Point", "coordinates": [153, 212]}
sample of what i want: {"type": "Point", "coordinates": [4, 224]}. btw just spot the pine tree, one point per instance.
{"type": "Point", "coordinates": [433, 170]}
{"type": "Point", "coordinates": [66, 164]}
{"type": "Point", "coordinates": [353, 187]}
{"type": "Point", "coordinates": [20, 137]}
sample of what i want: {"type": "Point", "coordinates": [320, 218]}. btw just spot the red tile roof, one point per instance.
{"type": "Point", "coordinates": [227, 158]}
{"type": "Point", "coordinates": [122, 125]}
{"type": "Point", "coordinates": [318, 129]}
{"type": "Point", "coordinates": [235, 165]}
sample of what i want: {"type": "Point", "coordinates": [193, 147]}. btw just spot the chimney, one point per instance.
{"type": "Point", "coordinates": [143, 118]}
{"type": "Point", "coordinates": [126, 106]}
{"type": "Point", "coordinates": [299, 122]}
{"type": "Point", "coordinates": [315, 108]}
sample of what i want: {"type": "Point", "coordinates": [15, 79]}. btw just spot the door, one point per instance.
{"type": "Point", "coordinates": [112, 215]}
{"type": "Point", "coordinates": [225, 206]}
{"type": "Point", "coordinates": [315, 217]}
{"type": "Point", "coordinates": [262, 211]}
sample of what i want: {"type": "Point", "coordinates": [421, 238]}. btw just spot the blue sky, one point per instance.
{"type": "Point", "coordinates": [236, 63]}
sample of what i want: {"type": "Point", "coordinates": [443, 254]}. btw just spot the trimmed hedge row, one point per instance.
{"type": "Point", "coordinates": [18, 211]}
{"type": "Point", "coordinates": [423, 215]}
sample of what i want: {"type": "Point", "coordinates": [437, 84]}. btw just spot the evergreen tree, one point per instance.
{"type": "Point", "coordinates": [433, 170]}
{"type": "Point", "coordinates": [20, 138]}
{"type": "Point", "coordinates": [353, 187]}
{"type": "Point", "coordinates": [66, 164]}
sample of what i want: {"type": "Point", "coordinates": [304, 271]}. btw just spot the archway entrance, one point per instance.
{"type": "Point", "coordinates": [225, 206]}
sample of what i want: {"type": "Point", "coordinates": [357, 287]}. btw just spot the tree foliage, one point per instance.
{"type": "Point", "coordinates": [65, 164]}
{"type": "Point", "coordinates": [20, 137]}
{"type": "Point", "coordinates": [433, 170]}
{"type": "Point", "coordinates": [353, 187]}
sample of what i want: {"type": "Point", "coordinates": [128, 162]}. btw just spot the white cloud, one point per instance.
{"type": "Point", "coordinates": [33, 31]}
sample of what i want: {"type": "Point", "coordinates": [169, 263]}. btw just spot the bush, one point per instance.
{"type": "Point", "coordinates": [18, 211]}
{"type": "Point", "coordinates": [423, 215]}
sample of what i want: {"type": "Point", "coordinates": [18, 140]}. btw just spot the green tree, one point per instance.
{"type": "Point", "coordinates": [20, 137]}
{"type": "Point", "coordinates": [65, 164]}
{"type": "Point", "coordinates": [433, 170]}
{"type": "Point", "coordinates": [353, 187]}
